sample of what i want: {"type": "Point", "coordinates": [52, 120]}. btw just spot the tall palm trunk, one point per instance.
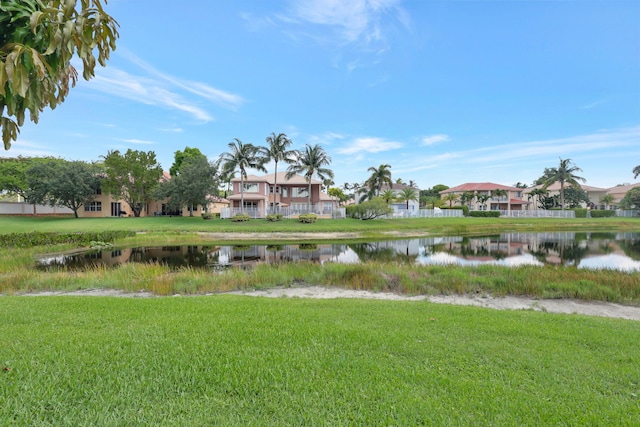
{"type": "Point", "coordinates": [275, 190]}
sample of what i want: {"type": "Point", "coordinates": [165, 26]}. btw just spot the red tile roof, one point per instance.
{"type": "Point", "coordinates": [479, 186]}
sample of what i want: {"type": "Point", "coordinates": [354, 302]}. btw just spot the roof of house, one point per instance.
{"type": "Point", "coordinates": [397, 187]}
{"type": "Point", "coordinates": [479, 186]}
{"type": "Point", "coordinates": [622, 189]}
{"type": "Point", "coordinates": [556, 187]}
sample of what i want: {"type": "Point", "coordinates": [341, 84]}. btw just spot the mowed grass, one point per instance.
{"type": "Point", "coordinates": [416, 226]}
{"type": "Point", "coordinates": [231, 360]}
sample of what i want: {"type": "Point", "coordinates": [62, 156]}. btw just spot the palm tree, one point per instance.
{"type": "Point", "coordinates": [242, 156]}
{"type": "Point", "coordinates": [636, 171]}
{"type": "Point", "coordinates": [278, 152]}
{"type": "Point", "coordinates": [498, 192]}
{"type": "Point", "coordinates": [467, 197]}
{"type": "Point", "coordinates": [450, 197]}
{"type": "Point", "coordinates": [607, 199]}
{"type": "Point", "coordinates": [379, 177]}
{"type": "Point", "coordinates": [564, 173]}
{"type": "Point", "coordinates": [311, 162]}
{"type": "Point", "coordinates": [388, 196]}
{"type": "Point", "coordinates": [539, 193]}
{"type": "Point", "coordinates": [413, 184]}
{"type": "Point", "coordinates": [408, 194]}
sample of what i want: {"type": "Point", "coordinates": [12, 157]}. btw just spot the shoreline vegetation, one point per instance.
{"type": "Point", "coordinates": [402, 278]}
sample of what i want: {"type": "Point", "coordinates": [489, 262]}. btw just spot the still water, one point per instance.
{"type": "Point", "coordinates": [583, 250]}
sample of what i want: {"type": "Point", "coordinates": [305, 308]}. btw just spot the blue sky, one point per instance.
{"type": "Point", "coordinates": [446, 92]}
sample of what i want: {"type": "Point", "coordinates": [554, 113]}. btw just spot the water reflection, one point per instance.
{"type": "Point", "coordinates": [583, 250]}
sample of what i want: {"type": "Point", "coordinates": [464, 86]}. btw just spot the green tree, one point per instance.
{"type": "Point", "coordinates": [451, 198]}
{"type": "Point", "coordinates": [482, 199]}
{"type": "Point", "coordinates": [538, 194]}
{"type": "Point", "coordinates": [574, 197]}
{"type": "Point", "coordinates": [310, 162]}
{"type": "Point", "coordinates": [636, 171]}
{"type": "Point", "coordinates": [389, 196]}
{"type": "Point", "coordinates": [370, 209]}
{"type": "Point", "coordinates": [13, 175]}
{"type": "Point", "coordinates": [607, 200]}
{"type": "Point", "coordinates": [467, 197]}
{"type": "Point", "coordinates": [379, 177]}
{"type": "Point", "coordinates": [407, 195]}
{"type": "Point", "coordinates": [59, 182]}
{"type": "Point", "coordinates": [564, 174]}
{"type": "Point", "coordinates": [241, 157]}
{"type": "Point", "coordinates": [131, 177]}
{"type": "Point", "coordinates": [277, 151]}
{"type": "Point", "coordinates": [337, 194]}
{"type": "Point", "coordinates": [631, 199]}
{"type": "Point", "coordinates": [196, 181]}
{"type": "Point", "coordinates": [37, 43]}
{"type": "Point", "coordinates": [181, 156]}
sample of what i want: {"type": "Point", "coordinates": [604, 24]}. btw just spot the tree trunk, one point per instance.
{"type": "Point", "coordinates": [275, 190]}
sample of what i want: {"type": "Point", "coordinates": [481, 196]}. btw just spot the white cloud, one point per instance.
{"type": "Point", "coordinates": [157, 88]}
{"type": "Point", "coordinates": [370, 145]}
{"type": "Point", "coordinates": [434, 139]}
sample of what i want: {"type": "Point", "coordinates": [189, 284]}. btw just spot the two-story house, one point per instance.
{"type": "Point", "coordinates": [266, 194]}
{"type": "Point", "coordinates": [484, 196]}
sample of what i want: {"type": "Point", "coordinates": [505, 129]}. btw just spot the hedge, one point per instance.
{"type": "Point", "coordinates": [28, 240]}
{"type": "Point", "coordinates": [308, 218]}
{"type": "Point", "coordinates": [485, 214]}
{"type": "Point", "coordinates": [596, 213]}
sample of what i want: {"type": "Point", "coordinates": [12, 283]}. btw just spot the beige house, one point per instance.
{"type": "Point", "coordinates": [594, 193]}
{"type": "Point", "coordinates": [512, 201]}
{"type": "Point", "coordinates": [618, 192]}
{"type": "Point", "coordinates": [105, 205]}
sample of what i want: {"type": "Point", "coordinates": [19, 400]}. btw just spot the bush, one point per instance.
{"type": "Point", "coordinates": [580, 212]}
{"type": "Point", "coordinates": [274, 217]}
{"type": "Point", "coordinates": [308, 218]}
{"type": "Point", "coordinates": [596, 213]}
{"type": "Point", "coordinates": [484, 214]}
{"type": "Point", "coordinates": [206, 216]}
{"type": "Point", "coordinates": [28, 240]}
{"type": "Point", "coordinates": [369, 210]}
{"type": "Point", "coordinates": [241, 217]}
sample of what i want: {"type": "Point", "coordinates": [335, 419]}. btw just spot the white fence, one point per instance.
{"type": "Point", "coordinates": [426, 213]}
{"type": "Point", "coordinates": [287, 212]}
{"type": "Point", "coordinates": [538, 213]}
{"type": "Point", "coordinates": [21, 208]}
{"type": "Point", "coordinates": [628, 213]}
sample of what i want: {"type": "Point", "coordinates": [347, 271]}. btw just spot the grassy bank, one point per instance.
{"type": "Point", "coordinates": [246, 361]}
{"type": "Point", "coordinates": [158, 226]}
{"type": "Point", "coordinates": [403, 278]}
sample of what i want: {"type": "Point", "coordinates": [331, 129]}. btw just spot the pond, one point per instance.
{"type": "Point", "coordinates": [584, 250]}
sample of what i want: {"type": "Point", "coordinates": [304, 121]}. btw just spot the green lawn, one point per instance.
{"type": "Point", "coordinates": [418, 226]}
{"type": "Point", "coordinates": [223, 360]}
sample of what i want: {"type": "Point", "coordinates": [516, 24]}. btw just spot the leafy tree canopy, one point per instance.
{"type": "Point", "coordinates": [181, 156]}
{"type": "Point", "coordinates": [37, 42]}
{"type": "Point", "coordinates": [631, 200]}
{"type": "Point", "coordinates": [132, 177]}
{"type": "Point", "coordinates": [61, 182]}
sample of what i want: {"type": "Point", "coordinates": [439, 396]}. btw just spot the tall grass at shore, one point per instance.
{"type": "Point", "coordinates": [225, 360]}
{"type": "Point", "coordinates": [409, 279]}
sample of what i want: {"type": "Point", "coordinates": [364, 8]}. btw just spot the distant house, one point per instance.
{"type": "Point", "coordinates": [593, 193]}
{"type": "Point", "coordinates": [412, 205]}
{"type": "Point", "coordinates": [618, 192]}
{"type": "Point", "coordinates": [512, 201]}
{"type": "Point", "coordinates": [105, 205]}
{"type": "Point", "coordinates": [261, 195]}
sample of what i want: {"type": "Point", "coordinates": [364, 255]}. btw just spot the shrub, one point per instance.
{"type": "Point", "coordinates": [28, 240]}
{"type": "Point", "coordinates": [484, 214]}
{"type": "Point", "coordinates": [274, 217]}
{"type": "Point", "coordinates": [241, 217]}
{"type": "Point", "coordinates": [596, 213]}
{"type": "Point", "coordinates": [308, 218]}
{"type": "Point", "coordinates": [206, 216]}
{"type": "Point", "coordinates": [369, 210]}
{"type": "Point", "coordinates": [580, 212]}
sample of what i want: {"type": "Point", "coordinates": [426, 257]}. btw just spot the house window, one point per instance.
{"type": "Point", "coordinates": [251, 187]}
{"type": "Point", "coordinates": [93, 207]}
{"type": "Point", "coordinates": [284, 191]}
{"type": "Point", "coordinates": [299, 192]}
{"type": "Point", "coordinates": [277, 189]}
